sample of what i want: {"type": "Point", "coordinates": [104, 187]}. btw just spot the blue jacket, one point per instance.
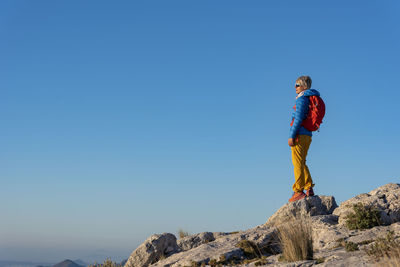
{"type": "Point", "coordinates": [300, 114]}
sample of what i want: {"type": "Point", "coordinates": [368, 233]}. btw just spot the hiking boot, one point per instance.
{"type": "Point", "coordinates": [310, 192]}
{"type": "Point", "coordinates": [297, 196]}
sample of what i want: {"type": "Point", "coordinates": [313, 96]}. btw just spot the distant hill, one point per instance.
{"type": "Point", "coordinates": [67, 263]}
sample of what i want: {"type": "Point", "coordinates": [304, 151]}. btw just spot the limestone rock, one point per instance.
{"type": "Point", "coordinates": [329, 235]}
{"type": "Point", "coordinates": [219, 234]}
{"type": "Point", "coordinates": [385, 198]}
{"type": "Point", "coordinates": [196, 240]}
{"type": "Point", "coordinates": [224, 245]}
{"type": "Point", "coordinates": [339, 257]}
{"type": "Point", "coordinates": [309, 206]}
{"type": "Point", "coordinates": [326, 236]}
{"type": "Point", "coordinates": [154, 248]}
{"type": "Point", "coordinates": [326, 232]}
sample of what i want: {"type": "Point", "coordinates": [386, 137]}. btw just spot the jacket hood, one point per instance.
{"type": "Point", "coordinates": [311, 92]}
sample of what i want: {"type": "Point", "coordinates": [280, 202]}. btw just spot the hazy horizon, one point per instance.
{"type": "Point", "coordinates": [4, 263]}
{"type": "Point", "coordinates": [124, 119]}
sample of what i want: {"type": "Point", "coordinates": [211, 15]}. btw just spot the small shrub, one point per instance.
{"type": "Point", "coordinates": [250, 249]}
{"type": "Point", "coordinates": [252, 253]}
{"type": "Point", "coordinates": [107, 263]}
{"type": "Point", "coordinates": [383, 247]}
{"type": "Point", "coordinates": [223, 261]}
{"type": "Point", "coordinates": [363, 217]}
{"type": "Point", "coordinates": [319, 260]}
{"type": "Point", "coordinates": [182, 233]}
{"type": "Point", "coordinates": [350, 246]}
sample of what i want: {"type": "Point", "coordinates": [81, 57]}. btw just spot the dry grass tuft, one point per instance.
{"type": "Point", "coordinates": [350, 246]}
{"type": "Point", "coordinates": [386, 251]}
{"type": "Point", "coordinates": [107, 263]}
{"type": "Point", "coordinates": [182, 233]}
{"type": "Point", "coordinates": [296, 240]}
{"type": "Point", "coordinates": [393, 260]}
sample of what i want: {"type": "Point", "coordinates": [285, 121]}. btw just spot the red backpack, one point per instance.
{"type": "Point", "coordinates": [315, 114]}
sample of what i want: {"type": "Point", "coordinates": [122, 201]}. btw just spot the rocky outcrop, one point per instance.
{"type": "Point", "coordinates": [67, 263]}
{"type": "Point", "coordinates": [196, 240]}
{"type": "Point", "coordinates": [309, 206]}
{"type": "Point", "coordinates": [155, 247]}
{"type": "Point", "coordinates": [328, 234]}
{"type": "Point", "coordinates": [223, 247]}
{"type": "Point", "coordinates": [385, 198]}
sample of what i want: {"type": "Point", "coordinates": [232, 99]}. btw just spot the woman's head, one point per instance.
{"type": "Point", "coordinates": [303, 83]}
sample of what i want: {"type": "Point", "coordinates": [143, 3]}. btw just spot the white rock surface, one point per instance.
{"type": "Point", "coordinates": [329, 233]}
{"type": "Point", "coordinates": [309, 206]}
{"type": "Point", "coordinates": [196, 240]}
{"type": "Point", "coordinates": [224, 245]}
{"type": "Point", "coordinates": [154, 248]}
{"type": "Point", "coordinates": [385, 198]}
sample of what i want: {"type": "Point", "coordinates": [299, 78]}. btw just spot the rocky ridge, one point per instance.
{"type": "Point", "coordinates": [328, 230]}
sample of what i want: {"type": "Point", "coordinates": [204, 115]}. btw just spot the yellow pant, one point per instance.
{"type": "Point", "coordinates": [302, 175]}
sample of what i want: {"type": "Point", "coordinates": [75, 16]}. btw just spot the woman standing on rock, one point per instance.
{"type": "Point", "coordinates": [307, 116]}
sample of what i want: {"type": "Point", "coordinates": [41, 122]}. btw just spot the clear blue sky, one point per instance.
{"type": "Point", "coordinates": [124, 119]}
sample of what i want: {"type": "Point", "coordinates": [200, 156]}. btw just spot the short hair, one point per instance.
{"type": "Point", "coordinates": [304, 81]}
